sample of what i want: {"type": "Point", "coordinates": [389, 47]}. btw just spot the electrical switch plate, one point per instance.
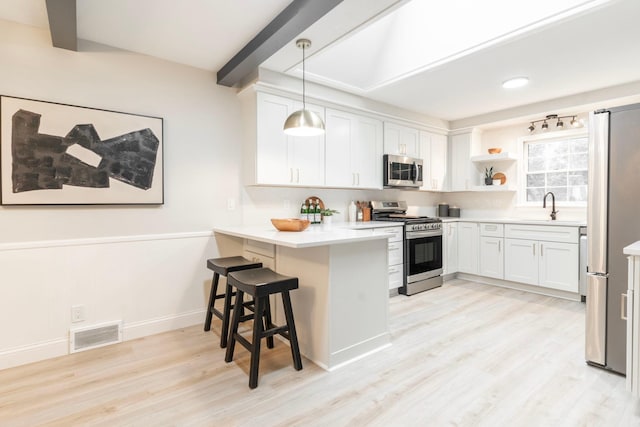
{"type": "Point", "coordinates": [287, 205]}
{"type": "Point", "coordinates": [77, 313]}
{"type": "Point", "coordinates": [231, 204]}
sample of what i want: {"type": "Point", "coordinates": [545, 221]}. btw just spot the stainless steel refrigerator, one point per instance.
{"type": "Point", "coordinates": [613, 222]}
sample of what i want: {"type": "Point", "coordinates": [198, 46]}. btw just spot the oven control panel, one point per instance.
{"type": "Point", "coordinates": [424, 227]}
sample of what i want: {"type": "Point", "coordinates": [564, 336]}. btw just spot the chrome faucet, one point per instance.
{"type": "Point", "coordinates": [553, 205]}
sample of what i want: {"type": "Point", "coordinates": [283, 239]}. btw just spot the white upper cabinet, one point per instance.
{"type": "Point", "coordinates": [283, 159]}
{"type": "Point", "coordinates": [433, 149]}
{"type": "Point", "coordinates": [353, 150]}
{"type": "Point", "coordinates": [401, 140]}
{"type": "Point", "coordinates": [463, 172]}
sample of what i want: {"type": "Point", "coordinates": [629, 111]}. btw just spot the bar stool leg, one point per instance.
{"type": "Point", "coordinates": [224, 334]}
{"type": "Point", "coordinates": [212, 301]}
{"type": "Point", "coordinates": [255, 343]}
{"type": "Point", "coordinates": [268, 324]}
{"type": "Point", "coordinates": [293, 337]}
{"type": "Point", "coordinates": [234, 327]}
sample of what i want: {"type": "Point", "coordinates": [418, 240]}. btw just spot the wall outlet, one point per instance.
{"type": "Point", "coordinates": [77, 313]}
{"type": "Point", "coordinates": [287, 205]}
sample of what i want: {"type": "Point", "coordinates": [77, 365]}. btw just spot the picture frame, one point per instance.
{"type": "Point", "coordinates": [61, 154]}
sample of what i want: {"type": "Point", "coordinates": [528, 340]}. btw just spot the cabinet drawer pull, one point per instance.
{"type": "Point", "coordinates": [499, 245]}
{"type": "Point", "coordinates": [623, 305]}
{"type": "Point", "coordinates": [534, 249]}
{"type": "Point", "coordinates": [297, 175]}
{"type": "Point", "coordinates": [541, 249]}
{"type": "Point", "coordinates": [290, 174]}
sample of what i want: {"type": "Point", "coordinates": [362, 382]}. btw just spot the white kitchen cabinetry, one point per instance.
{"type": "Point", "coordinates": [542, 255]}
{"type": "Point", "coordinates": [396, 257]}
{"type": "Point", "coordinates": [463, 171]}
{"type": "Point", "coordinates": [283, 159]}
{"type": "Point", "coordinates": [353, 150]}
{"type": "Point", "coordinates": [433, 150]}
{"type": "Point", "coordinates": [492, 250]}
{"type": "Point", "coordinates": [633, 321]}
{"type": "Point", "coordinates": [450, 248]}
{"type": "Point", "coordinates": [401, 140]}
{"type": "Point", "coordinates": [468, 247]}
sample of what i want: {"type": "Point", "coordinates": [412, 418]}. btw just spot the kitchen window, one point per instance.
{"type": "Point", "coordinates": [556, 162]}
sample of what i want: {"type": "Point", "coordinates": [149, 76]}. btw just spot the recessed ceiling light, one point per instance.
{"type": "Point", "coordinates": [515, 82]}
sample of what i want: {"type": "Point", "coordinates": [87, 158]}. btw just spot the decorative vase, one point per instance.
{"type": "Point", "coordinates": [488, 181]}
{"type": "Point", "coordinates": [327, 220]}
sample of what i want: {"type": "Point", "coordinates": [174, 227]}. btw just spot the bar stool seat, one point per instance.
{"type": "Point", "coordinates": [260, 283]}
{"type": "Point", "coordinates": [222, 267]}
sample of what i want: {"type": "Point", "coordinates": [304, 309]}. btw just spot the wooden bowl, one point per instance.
{"type": "Point", "coordinates": [494, 150]}
{"type": "Point", "coordinates": [290, 224]}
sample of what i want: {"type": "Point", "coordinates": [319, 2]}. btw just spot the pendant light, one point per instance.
{"type": "Point", "coordinates": [303, 122]}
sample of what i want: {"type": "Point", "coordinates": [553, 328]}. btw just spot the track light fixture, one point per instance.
{"type": "Point", "coordinates": [559, 123]}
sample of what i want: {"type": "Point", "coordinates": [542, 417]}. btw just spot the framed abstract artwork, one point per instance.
{"type": "Point", "coordinates": [58, 154]}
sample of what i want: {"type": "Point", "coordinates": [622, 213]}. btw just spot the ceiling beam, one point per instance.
{"type": "Point", "coordinates": [292, 21]}
{"type": "Point", "coordinates": [63, 23]}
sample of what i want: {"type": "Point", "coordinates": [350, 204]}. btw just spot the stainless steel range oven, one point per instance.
{"type": "Point", "coordinates": [422, 246]}
{"type": "Point", "coordinates": [423, 257]}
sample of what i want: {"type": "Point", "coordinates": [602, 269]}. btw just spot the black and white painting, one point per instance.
{"type": "Point", "coordinates": [63, 154]}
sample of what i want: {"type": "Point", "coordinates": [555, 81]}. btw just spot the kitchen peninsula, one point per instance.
{"type": "Point", "coordinates": [342, 306]}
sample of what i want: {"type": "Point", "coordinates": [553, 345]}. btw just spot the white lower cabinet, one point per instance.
{"type": "Point", "coordinates": [491, 257]}
{"type": "Point", "coordinates": [633, 325]}
{"type": "Point", "coordinates": [395, 254]}
{"type": "Point", "coordinates": [450, 248]}
{"type": "Point", "coordinates": [468, 247]}
{"type": "Point", "coordinates": [551, 260]}
{"type": "Point", "coordinates": [492, 250]}
{"type": "Point", "coordinates": [557, 266]}
{"type": "Point", "coordinates": [521, 261]}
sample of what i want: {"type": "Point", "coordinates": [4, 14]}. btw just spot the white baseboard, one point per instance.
{"type": "Point", "coordinates": [134, 330]}
{"type": "Point", "coordinates": [36, 352]}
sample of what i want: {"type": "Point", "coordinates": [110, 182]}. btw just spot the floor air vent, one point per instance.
{"type": "Point", "coordinates": [95, 336]}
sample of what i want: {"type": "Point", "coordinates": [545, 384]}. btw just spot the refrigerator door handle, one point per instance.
{"type": "Point", "coordinates": [596, 319]}
{"type": "Point", "coordinates": [598, 181]}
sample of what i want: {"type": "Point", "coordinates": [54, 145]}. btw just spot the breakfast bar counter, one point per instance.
{"type": "Point", "coordinates": [341, 308]}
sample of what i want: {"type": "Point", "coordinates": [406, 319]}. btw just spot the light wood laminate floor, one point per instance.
{"type": "Point", "coordinates": [463, 355]}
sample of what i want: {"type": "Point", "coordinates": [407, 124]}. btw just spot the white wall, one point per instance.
{"type": "Point", "coordinates": [505, 204]}
{"type": "Point", "coordinates": [52, 257]}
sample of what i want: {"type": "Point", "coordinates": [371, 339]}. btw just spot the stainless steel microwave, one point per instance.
{"type": "Point", "coordinates": [401, 171]}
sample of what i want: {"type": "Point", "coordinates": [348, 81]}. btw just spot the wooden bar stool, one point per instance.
{"type": "Point", "coordinates": [222, 267]}
{"type": "Point", "coordinates": [260, 283]}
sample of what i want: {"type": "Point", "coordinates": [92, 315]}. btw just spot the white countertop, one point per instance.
{"type": "Point", "coordinates": [632, 249]}
{"type": "Point", "coordinates": [315, 235]}
{"type": "Point", "coordinates": [518, 221]}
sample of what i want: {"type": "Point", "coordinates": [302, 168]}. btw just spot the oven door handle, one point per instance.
{"type": "Point", "coordinates": [421, 234]}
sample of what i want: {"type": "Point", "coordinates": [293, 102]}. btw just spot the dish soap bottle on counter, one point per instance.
{"type": "Point", "coordinates": [359, 214]}
{"type": "Point", "coordinates": [304, 212]}
{"type": "Point", "coordinates": [352, 211]}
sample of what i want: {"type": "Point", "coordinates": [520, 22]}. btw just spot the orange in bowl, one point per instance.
{"type": "Point", "coordinates": [494, 150]}
{"type": "Point", "coordinates": [290, 224]}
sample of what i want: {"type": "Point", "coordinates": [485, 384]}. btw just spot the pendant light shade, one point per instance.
{"type": "Point", "coordinates": [303, 122]}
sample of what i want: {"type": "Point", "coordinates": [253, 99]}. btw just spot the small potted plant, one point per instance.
{"type": "Point", "coordinates": [327, 215]}
{"type": "Point", "coordinates": [488, 176]}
